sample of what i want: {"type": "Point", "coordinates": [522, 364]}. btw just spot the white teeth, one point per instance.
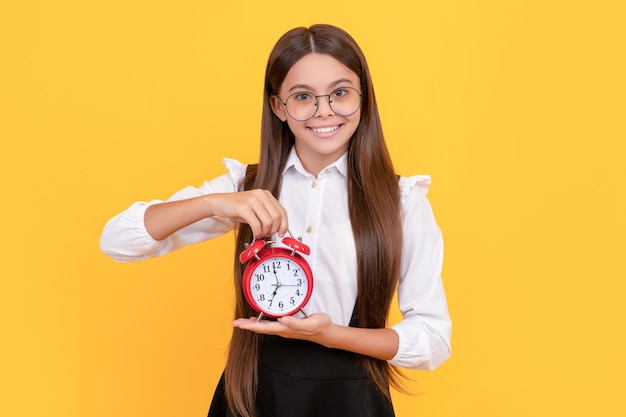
{"type": "Point", "coordinates": [326, 129]}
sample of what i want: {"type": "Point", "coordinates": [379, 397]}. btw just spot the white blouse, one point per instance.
{"type": "Point", "coordinates": [318, 211]}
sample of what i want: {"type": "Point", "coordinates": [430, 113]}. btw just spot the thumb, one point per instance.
{"type": "Point", "coordinates": [288, 321]}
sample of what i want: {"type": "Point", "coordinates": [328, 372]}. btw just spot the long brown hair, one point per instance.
{"type": "Point", "coordinates": [374, 205]}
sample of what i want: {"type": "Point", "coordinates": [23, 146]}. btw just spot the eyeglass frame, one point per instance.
{"type": "Point", "coordinates": [330, 102]}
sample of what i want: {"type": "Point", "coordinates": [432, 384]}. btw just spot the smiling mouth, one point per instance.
{"type": "Point", "coordinates": [325, 129]}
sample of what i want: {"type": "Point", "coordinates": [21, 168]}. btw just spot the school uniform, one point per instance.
{"type": "Point", "coordinates": [318, 211]}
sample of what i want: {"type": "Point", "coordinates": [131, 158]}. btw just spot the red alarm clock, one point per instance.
{"type": "Point", "coordinates": [277, 282]}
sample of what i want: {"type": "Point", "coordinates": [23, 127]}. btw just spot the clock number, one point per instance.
{"type": "Point", "coordinates": [276, 264]}
{"type": "Point", "coordinates": [295, 273]}
{"type": "Point", "coordinates": [257, 287]}
{"type": "Point", "coordinates": [299, 281]}
{"type": "Point", "coordinates": [292, 301]}
{"type": "Point", "coordinates": [262, 297]}
{"type": "Point", "coordinates": [280, 304]}
{"type": "Point", "coordinates": [266, 268]}
{"type": "Point", "coordinates": [260, 277]}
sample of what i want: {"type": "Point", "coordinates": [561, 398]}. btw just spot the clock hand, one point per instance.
{"type": "Point", "coordinates": [278, 285]}
{"type": "Point", "coordinates": [276, 276]}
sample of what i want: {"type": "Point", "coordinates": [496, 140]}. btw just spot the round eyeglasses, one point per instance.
{"type": "Point", "coordinates": [302, 106]}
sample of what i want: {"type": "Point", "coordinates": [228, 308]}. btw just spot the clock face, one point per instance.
{"type": "Point", "coordinates": [278, 285]}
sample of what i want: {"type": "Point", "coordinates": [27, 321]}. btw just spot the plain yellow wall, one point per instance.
{"type": "Point", "coordinates": [516, 108]}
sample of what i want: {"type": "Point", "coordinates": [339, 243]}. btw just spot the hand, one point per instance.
{"type": "Point", "coordinates": [258, 208]}
{"type": "Point", "coordinates": [313, 328]}
{"type": "Point", "coordinates": [377, 343]}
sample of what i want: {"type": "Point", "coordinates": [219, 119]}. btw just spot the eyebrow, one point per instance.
{"type": "Point", "coordinates": [308, 87]}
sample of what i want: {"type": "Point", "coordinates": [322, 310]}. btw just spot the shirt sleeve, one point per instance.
{"type": "Point", "coordinates": [125, 237]}
{"type": "Point", "coordinates": [425, 330]}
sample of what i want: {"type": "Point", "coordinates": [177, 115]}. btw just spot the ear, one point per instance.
{"type": "Point", "coordinates": [278, 108]}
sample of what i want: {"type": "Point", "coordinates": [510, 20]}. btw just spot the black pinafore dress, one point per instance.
{"type": "Point", "coordinates": [298, 378]}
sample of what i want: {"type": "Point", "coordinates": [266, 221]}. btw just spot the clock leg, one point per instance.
{"type": "Point", "coordinates": [261, 315]}
{"type": "Point", "coordinates": [304, 313]}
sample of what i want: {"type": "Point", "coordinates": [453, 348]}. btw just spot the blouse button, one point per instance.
{"type": "Point", "coordinates": [309, 229]}
{"type": "Point", "coordinates": [313, 184]}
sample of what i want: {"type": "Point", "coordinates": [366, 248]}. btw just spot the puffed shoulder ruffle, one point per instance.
{"type": "Point", "coordinates": [236, 169]}
{"type": "Point", "coordinates": [421, 182]}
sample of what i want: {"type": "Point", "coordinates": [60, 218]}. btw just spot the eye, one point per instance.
{"type": "Point", "coordinates": [303, 96]}
{"type": "Point", "coordinates": [340, 92]}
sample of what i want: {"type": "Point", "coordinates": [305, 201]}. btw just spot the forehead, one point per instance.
{"type": "Point", "coordinates": [318, 72]}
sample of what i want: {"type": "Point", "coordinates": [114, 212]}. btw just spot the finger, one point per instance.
{"type": "Point", "coordinates": [285, 321]}
{"type": "Point", "coordinates": [243, 323]}
{"type": "Point", "coordinates": [263, 327]}
{"type": "Point", "coordinates": [270, 214]}
{"type": "Point", "coordinates": [276, 220]}
{"type": "Point", "coordinates": [280, 222]}
{"type": "Point", "coordinates": [249, 216]}
{"type": "Point", "coordinates": [253, 212]}
{"type": "Point", "coordinates": [260, 219]}
{"type": "Point", "coordinates": [296, 324]}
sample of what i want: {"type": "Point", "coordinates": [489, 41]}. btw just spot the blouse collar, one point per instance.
{"type": "Point", "coordinates": [341, 164]}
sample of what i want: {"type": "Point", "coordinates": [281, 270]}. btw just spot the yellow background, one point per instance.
{"type": "Point", "coordinates": [516, 108]}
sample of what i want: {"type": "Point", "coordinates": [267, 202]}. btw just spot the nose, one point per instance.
{"type": "Point", "coordinates": [323, 106]}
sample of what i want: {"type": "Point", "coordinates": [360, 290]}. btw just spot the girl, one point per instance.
{"type": "Point", "coordinates": [325, 173]}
